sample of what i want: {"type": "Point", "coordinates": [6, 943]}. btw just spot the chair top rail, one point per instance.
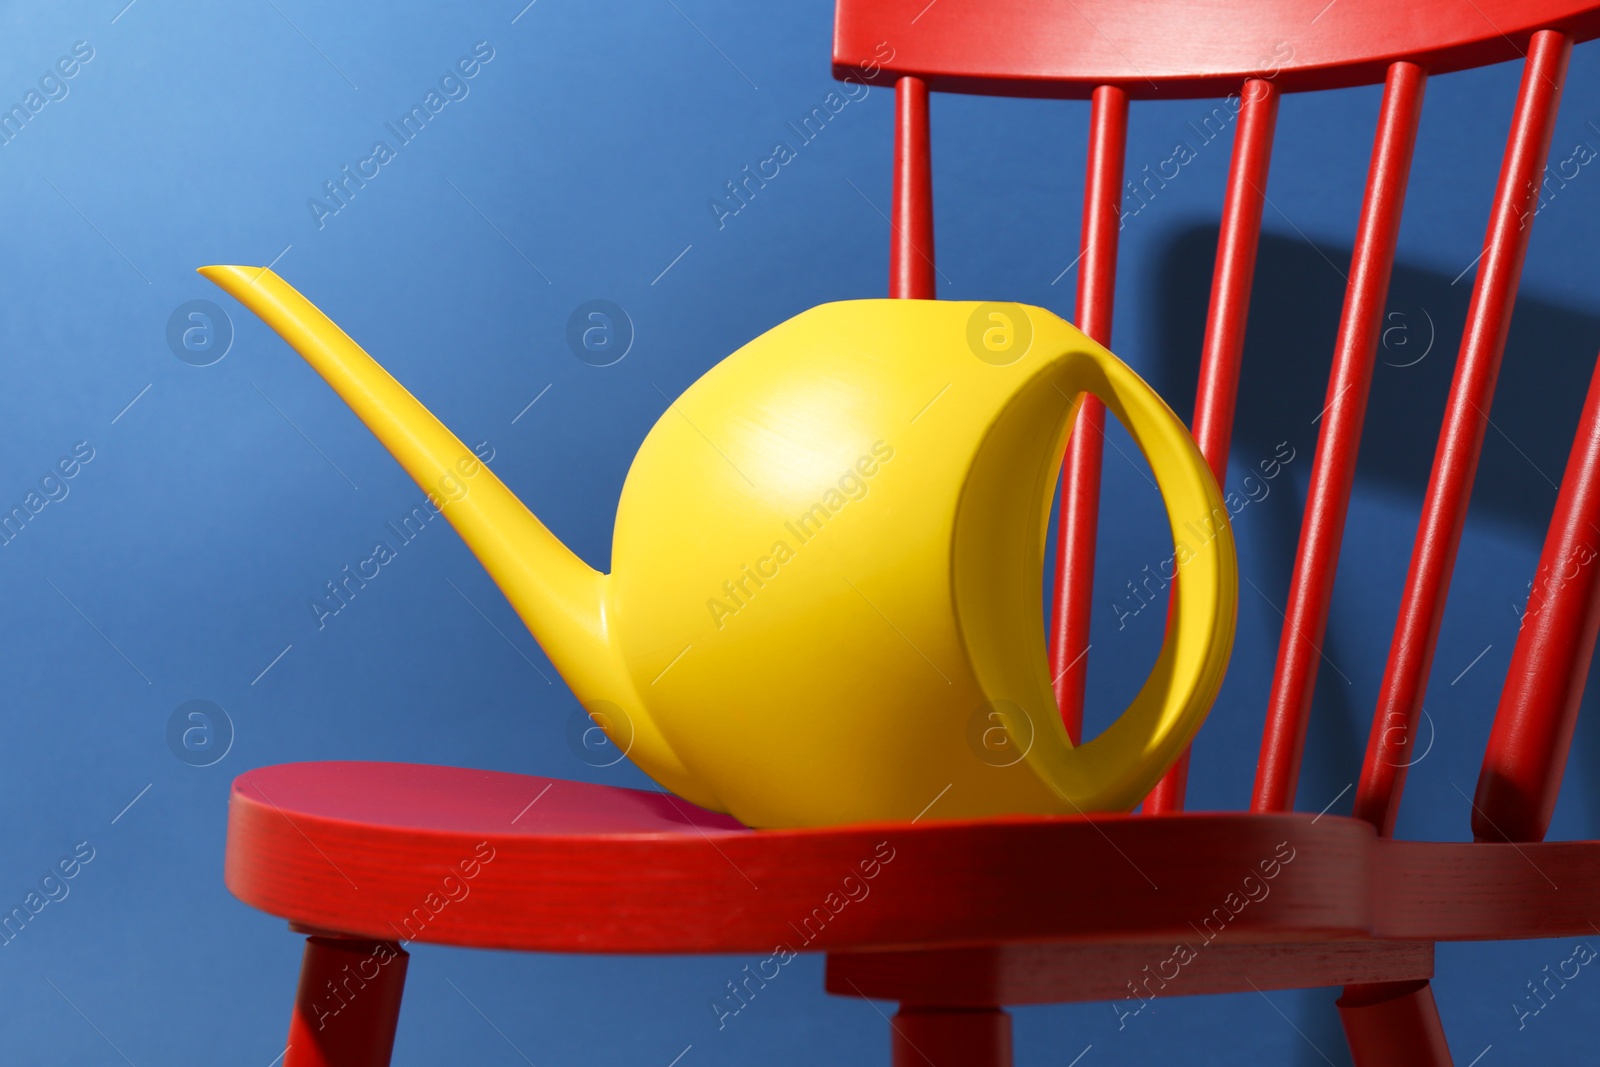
{"type": "Point", "coordinates": [1173, 49]}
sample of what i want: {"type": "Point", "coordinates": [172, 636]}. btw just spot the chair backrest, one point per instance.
{"type": "Point", "coordinates": [1111, 51]}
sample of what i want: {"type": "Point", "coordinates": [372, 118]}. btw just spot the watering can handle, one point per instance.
{"type": "Point", "coordinates": [1115, 770]}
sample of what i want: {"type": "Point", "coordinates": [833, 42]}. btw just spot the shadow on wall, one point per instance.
{"type": "Point", "coordinates": [1294, 316]}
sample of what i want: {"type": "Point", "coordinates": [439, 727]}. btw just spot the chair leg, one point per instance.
{"type": "Point", "coordinates": [951, 1037]}
{"type": "Point", "coordinates": [1393, 1024]}
{"type": "Point", "coordinates": [348, 1003]}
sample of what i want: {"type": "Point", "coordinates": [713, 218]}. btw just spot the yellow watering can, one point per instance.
{"type": "Point", "coordinates": [825, 603]}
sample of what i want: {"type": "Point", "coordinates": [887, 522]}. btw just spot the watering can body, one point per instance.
{"type": "Point", "coordinates": [825, 602]}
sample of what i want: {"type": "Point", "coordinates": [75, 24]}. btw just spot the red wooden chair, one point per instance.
{"type": "Point", "coordinates": [957, 920]}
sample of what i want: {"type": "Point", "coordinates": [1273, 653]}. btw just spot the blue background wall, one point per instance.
{"type": "Point", "coordinates": [181, 563]}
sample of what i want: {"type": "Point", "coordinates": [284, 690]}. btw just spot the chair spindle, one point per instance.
{"type": "Point", "coordinates": [1532, 733]}
{"type": "Point", "coordinates": [1339, 438]}
{"type": "Point", "coordinates": [1080, 486]}
{"type": "Point", "coordinates": [1238, 238]}
{"type": "Point", "coordinates": [911, 273]}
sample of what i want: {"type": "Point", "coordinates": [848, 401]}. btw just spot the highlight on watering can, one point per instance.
{"type": "Point", "coordinates": [838, 497]}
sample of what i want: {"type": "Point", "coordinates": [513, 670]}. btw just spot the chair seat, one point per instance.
{"type": "Point", "coordinates": [488, 859]}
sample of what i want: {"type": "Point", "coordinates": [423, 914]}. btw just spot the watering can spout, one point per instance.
{"type": "Point", "coordinates": [556, 593]}
{"type": "Point", "coordinates": [560, 598]}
